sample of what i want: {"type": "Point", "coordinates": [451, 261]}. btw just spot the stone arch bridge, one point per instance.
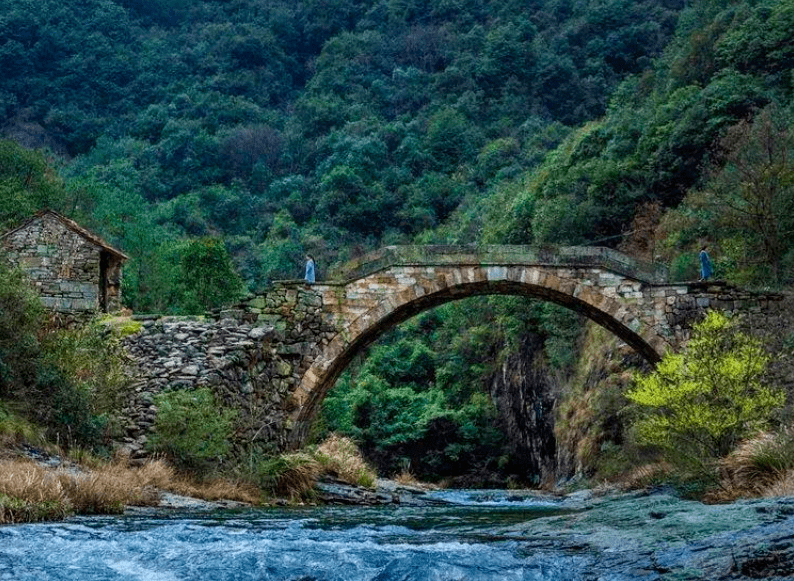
{"type": "Point", "coordinates": [285, 349]}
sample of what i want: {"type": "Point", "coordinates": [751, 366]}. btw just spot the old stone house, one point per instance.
{"type": "Point", "coordinates": [75, 271]}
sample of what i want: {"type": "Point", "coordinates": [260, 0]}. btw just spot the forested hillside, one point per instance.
{"type": "Point", "coordinates": [201, 136]}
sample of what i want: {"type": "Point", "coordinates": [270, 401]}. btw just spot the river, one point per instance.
{"type": "Point", "coordinates": [479, 536]}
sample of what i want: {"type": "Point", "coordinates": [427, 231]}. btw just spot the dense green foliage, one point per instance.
{"type": "Point", "coordinates": [21, 316]}
{"type": "Point", "coordinates": [191, 429]}
{"type": "Point", "coordinates": [687, 124]}
{"type": "Point", "coordinates": [698, 405]}
{"type": "Point", "coordinates": [211, 138]}
{"type": "Point", "coordinates": [69, 382]}
{"type": "Point", "coordinates": [365, 120]}
{"type": "Point", "coordinates": [419, 400]}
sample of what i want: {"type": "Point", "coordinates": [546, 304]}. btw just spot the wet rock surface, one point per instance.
{"type": "Point", "coordinates": [659, 537]}
{"type": "Point", "coordinates": [332, 491]}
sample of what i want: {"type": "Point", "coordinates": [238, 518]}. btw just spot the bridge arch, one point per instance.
{"type": "Point", "coordinates": [402, 292]}
{"type": "Point", "coordinates": [276, 355]}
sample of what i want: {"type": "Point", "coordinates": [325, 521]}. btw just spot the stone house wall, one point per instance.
{"type": "Point", "coordinates": [73, 273]}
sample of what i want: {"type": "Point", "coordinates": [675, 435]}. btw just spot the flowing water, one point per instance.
{"type": "Point", "coordinates": [466, 539]}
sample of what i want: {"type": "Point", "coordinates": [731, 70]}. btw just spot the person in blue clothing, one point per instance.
{"type": "Point", "coordinates": [706, 269]}
{"type": "Point", "coordinates": [309, 269]}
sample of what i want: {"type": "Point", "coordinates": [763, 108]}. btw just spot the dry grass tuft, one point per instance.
{"type": "Point", "coordinates": [341, 457]}
{"type": "Point", "coordinates": [157, 475]}
{"type": "Point", "coordinates": [105, 490]}
{"type": "Point", "coordinates": [221, 489]}
{"type": "Point", "coordinates": [644, 475]}
{"type": "Point", "coordinates": [28, 481]}
{"type": "Point", "coordinates": [784, 486]}
{"type": "Point", "coordinates": [29, 491]}
{"type": "Point", "coordinates": [299, 476]}
{"type": "Point", "coordinates": [289, 475]}
{"type": "Point", "coordinates": [756, 465]}
{"type": "Point", "coordinates": [407, 478]}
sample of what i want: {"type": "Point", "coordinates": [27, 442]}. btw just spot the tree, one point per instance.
{"type": "Point", "coordinates": [697, 405]}
{"type": "Point", "coordinates": [27, 184]}
{"type": "Point", "coordinates": [751, 191]}
{"type": "Point", "coordinates": [21, 319]}
{"type": "Point", "coordinates": [208, 276]}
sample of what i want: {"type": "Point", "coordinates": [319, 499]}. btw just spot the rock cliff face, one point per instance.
{"type": "Point", "coordinates": [523, 395]}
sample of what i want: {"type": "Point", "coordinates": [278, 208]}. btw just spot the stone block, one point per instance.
{"type": "Point", "coordinates": [495, 273]}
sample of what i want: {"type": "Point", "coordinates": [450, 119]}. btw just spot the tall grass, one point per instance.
{"type": "Point", "coordinates": [759, 466]}
{"type": "Point", "coordinates": [29, 491]}
{"type": "Point", "coordinates": [341, 457]}
{"type": "Point", "coordinates": [289, 475]}
{"type": "Point", "coordinates": [294, 475]}
{"type": "Point", "coordinates": [159, 475]}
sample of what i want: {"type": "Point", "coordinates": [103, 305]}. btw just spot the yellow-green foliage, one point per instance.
{"type": "Point", "coordinates": [697, 405]}
{"type": "Point", "coordinates": [120, 326]}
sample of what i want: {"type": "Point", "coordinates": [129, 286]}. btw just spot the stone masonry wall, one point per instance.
{"type": "Point", "coordinates": [61, 264]}
{"type": "Point", "coordinates": [252, 359]}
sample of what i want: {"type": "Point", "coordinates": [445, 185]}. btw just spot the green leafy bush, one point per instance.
{"type": "Point", "coordinates": [21, 318]}
{"type": "Point", "coordinates": [192, 429]}
{"type": "Point", "coordinates": [697, 405]}
{"type": "Point", "coordinates": [92, 356]}
{"type": "Point", "coordinates": [64, 406]}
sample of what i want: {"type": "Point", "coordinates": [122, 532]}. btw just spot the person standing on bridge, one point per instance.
{"type": "Point", "coordinates": [706, 269]}
{"type": "Point", "coordinates": [309, 276]}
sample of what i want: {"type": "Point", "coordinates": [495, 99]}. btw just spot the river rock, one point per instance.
{"type": "Point", "coordinates": [659, 537]}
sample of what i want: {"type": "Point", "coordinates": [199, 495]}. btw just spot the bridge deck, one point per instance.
{"type": "Point", "coordinates": [504, 255]}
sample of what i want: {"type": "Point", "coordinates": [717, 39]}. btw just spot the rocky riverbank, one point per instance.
{"type": "Point", "coordinates": [639, 536]}
{"type": "Point", "coordinates": [658, 537]}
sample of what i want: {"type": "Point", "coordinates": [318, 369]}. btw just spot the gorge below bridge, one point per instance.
{"type": "Point", "coordinates": [275, 356]}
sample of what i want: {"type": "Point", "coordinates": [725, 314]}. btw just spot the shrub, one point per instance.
{"type": "Point", "coordinates": [697, 405]}
{"type": "Point", "coordinates": [192, 429]}
{"type": "Point", "coordinates": [21, 318]}
{"type": "Point", "coordinates": [92, 356]}
{"type": "Point", "coordinates": [64, 406]}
